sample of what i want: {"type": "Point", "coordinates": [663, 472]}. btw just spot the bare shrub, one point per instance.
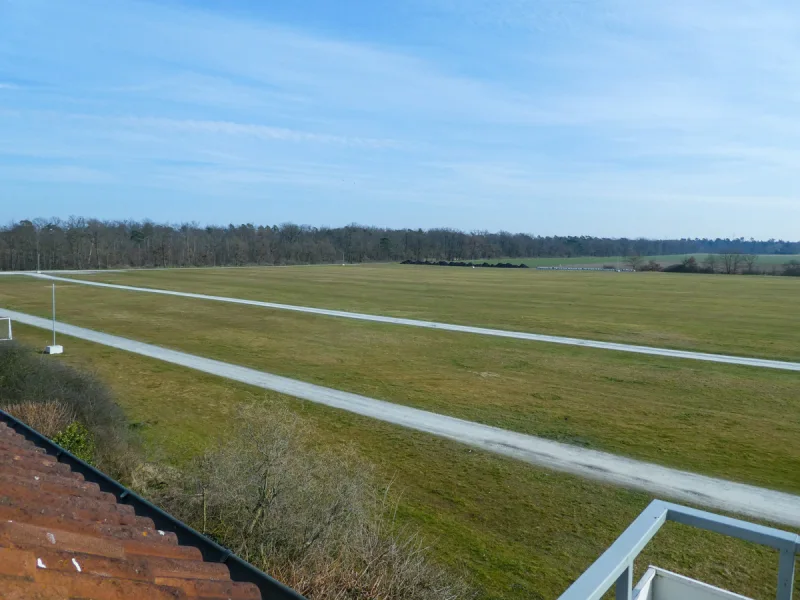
{"type": "Point", "coordinates": [792, 268]}
{"type": "Point", "coordinates": [731, 262]}
{"type": "Point", "coordinates": [651, 266]}
{"type": "Point", "coordinates": [750, 261]}
{"type": "Point", "coordinates": [48, 418]}
{"type": "Point", "coordinates": [28, 378]}
{"type": "Point", "coordinates": [153, 479]}
{"type": "Point", "coordinates": [309, 517]}
{"type": "Point", "coordinates": [711, 263]}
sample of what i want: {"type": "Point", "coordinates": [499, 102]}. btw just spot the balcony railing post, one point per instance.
{"type": "Point", "coordinates": [786, 574]}
{"type": "Point", "coordinates": [615, 565]}
{"type": "Point", "coordinates": [625, 584]}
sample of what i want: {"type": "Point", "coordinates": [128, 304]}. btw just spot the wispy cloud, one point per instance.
{"type": "Point", "coordinates": [253, 130]}
{"type": "Point", "coordinates": [611, 109]}
{"type": "Point", "coordinates": [54, 173]}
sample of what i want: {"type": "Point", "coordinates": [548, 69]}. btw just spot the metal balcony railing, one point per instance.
{"type": "Point", "coordinates": [615, 566]}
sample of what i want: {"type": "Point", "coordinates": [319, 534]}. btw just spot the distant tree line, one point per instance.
{"type": "Point", "coordinates": [728, 263]}
{"type": "Point", "coordinates": [81, 243]}
{"type": "Point", "coordinates": [732, 263]}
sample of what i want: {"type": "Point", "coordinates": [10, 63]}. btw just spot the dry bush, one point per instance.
{"type": "Point", "coordinates": [29, 378]}
{"type": "Point", "coordinates": [152, 479]}
{"type": "Point", "coordinates": [310, 518]}
{"type": "Point", "coordinates": [48, 418]}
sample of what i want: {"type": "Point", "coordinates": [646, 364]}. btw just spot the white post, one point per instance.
{"type": "Point", "coordinates": [54, 314]}
{"type": "Point", "coordinates": [55, 348]}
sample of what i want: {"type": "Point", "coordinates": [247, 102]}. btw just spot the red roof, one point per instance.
{"type": "Point", "coordinates": [61, 537]}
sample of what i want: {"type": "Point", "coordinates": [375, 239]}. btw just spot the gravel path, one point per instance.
{"type": "Point", "coordinates": [61, 272]}
{"type": "Point", "coordinates": [535, 337]}
{"type": "Point", "coordinates": [660, 481]}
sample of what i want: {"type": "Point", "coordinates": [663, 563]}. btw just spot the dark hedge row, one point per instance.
{"type": "Point", "coordinates": [444, 263]}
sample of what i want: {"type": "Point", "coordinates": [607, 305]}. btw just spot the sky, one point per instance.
{"type": "Point", "coordinates": [584, 117]}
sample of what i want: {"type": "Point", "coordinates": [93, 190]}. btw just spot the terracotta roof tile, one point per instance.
{"type": "Point", "coordinates": [61, 537]}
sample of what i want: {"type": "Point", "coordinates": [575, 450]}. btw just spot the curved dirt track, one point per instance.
{"type": "Point", "coordinates": [660, 481]}
{"type": "Point", "coordinates": [520, 335]}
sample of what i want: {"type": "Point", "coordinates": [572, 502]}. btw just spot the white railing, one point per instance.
{"type": "Point", "coordinates": [615, 566]}
{"type": "Point", "coordinates": [5, 329]}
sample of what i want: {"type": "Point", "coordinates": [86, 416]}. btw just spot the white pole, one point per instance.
{"type": "Point", "coordinates": [54, 314]}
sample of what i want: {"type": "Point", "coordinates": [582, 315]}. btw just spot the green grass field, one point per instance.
{"type": "Point", "coordinates": [517, 532]}
{"type": "Point", "coordinates": [748, 316]}
{"type": "Point", "coordinates": [734, 422]}
{"type": "Point", "coordinates": [520, 532]}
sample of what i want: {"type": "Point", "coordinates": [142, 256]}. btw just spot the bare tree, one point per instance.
{"type": "Point", "coordinates": [634, 261]}
{"type": "Point", "coordinates": [750, 261]}
{"type": "Point", "coordinates": [731, 262]}
{"type": "Point", "coordinates": [710, 263]}
{"type": "Point", "coordinates": [94, 231]}
{"type": "Point", "coordinates": [737, 262]}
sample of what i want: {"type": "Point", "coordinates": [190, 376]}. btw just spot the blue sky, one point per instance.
{"type": "Point", "coordinates": [599, 117]}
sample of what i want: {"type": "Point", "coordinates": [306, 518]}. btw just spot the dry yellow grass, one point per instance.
{"type": "Point", "coordinates": [48, 418]}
